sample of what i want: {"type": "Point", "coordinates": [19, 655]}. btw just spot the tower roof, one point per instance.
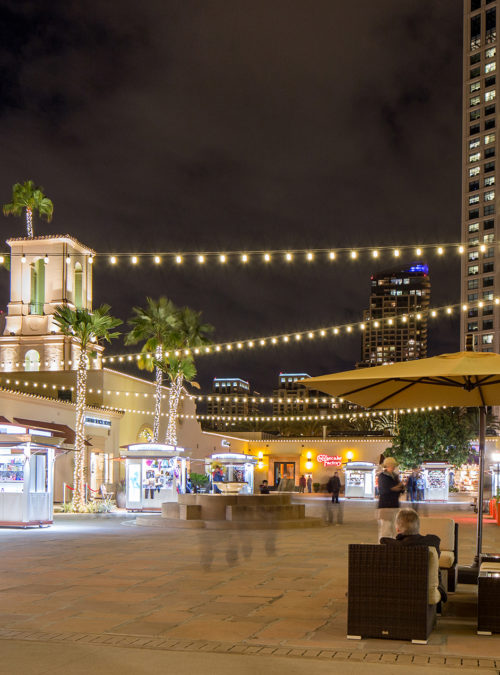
{"type": "Point", "coordinates": [64, 238]}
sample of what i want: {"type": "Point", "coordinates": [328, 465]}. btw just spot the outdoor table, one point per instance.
{"type": "Point", "coordinates": [488, 597]}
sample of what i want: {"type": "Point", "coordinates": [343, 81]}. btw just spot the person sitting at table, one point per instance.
{"type": "Point", "coordinates": [408, 534]}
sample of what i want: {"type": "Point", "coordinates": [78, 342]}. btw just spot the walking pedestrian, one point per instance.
{"type": "Point", "coordinates": [390, 489]}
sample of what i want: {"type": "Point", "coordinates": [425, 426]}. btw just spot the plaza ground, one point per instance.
{"type": "Point", "coordinates": [100, 592]}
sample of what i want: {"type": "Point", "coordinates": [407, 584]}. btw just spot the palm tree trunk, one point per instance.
{"type": "Point", "coordinates": [79, 501]}
{"type": "Point", "coordinates": [158, 395]}
{"type": "Point", "coordinates": [29, 222]}
{"type": "Point", "coordinates": [173, 405]}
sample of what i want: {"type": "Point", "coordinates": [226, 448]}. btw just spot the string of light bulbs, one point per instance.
{"type": "Point", "coordinates": [311, 418]}
{"type": "Point", "coordinates": [336, 330]}
{"type": "Point", "coordinates": [264, 256]}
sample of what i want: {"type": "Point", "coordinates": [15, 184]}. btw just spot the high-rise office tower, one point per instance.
{"type": "Point", "coordinates": [481, 262]}
{"type": "Point", "coordinates": [396, 328]}
{"type": "Point", "coordinates": [231, 397]}
{"type": "Point", "coordinates": [294, 398]}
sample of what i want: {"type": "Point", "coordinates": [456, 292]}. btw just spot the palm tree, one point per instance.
{"type": "Point", "coordinates": [189, 334]}
{"type": "Point", "coordinates": [153, 325]}
{"type": "Point", "coordinates": [178, 370]}
{"type": "Point", "coordinates": [87, 329]}
{"type": "Point", "coordinates": [27, 196]}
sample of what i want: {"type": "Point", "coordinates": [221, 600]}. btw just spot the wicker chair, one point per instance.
{"type": "Point", "coordinates": [392, 592]}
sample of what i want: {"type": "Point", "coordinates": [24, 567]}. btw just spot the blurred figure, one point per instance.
{"type": "Point", "coordinates": [302, 483]}
{"type": "Point", "coordinates": [411, 487]}
{"type": "Point", "coordinates": [390, 489]}
{"type": "Point", "coordinates": [333, 486]}
{"type": "Point", "coordinates": [309, 483]}
{"type": "Point", "coordinates": [264, 488]}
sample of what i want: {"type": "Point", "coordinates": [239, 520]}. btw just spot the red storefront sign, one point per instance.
{"type": "Point", "coordinates": [329, 460]}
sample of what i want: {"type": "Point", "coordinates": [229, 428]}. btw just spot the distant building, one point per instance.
{"type": "Point", "coordinates": [293, 398]}
{"type": "Point", "coordinates": [231, 396]}
{"type": "Point", "coordinates": [394, 294]}
{"type": "Point", "coordinates": [480, 325]}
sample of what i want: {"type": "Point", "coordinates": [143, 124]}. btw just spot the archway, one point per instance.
{"type": "Point", "coordinates": [78, 286]}
{"type": "Point", "coordinates": [32, 360]}
{"type": "Point", "coordinates": [37, 286]}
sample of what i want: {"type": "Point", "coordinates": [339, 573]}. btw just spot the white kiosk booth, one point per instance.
{"type": "Point", "coordinates": [231, 472]}
{"type": "Point", "coordinates": [26, 482]}
{"type": "Point", "coordinates": [495, 479]}
{"type": "Point", "coordinates": [155, 474]}
{"type": "Point", "coordinates": [360, 480]}
{"type": "Point", "coordinates": [436, 476]}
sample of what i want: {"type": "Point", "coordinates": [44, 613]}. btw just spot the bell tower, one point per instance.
{"type": "Point", "coordinates": [45, 272]}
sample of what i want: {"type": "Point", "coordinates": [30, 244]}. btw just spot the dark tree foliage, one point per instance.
{"type": "Point", "coordinates": [438, 436]}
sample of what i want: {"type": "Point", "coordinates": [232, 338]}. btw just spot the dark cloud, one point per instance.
{"type": "Point", "coordinates": [195, 125]}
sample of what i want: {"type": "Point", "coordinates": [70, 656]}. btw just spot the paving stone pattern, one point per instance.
{"type": "Point", "coordinates": [108, 582]}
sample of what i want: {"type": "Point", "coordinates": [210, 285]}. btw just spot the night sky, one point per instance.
{"type": "Point", "coordinates": [217, 125]}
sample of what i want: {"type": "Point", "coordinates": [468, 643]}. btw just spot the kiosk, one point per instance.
{"type": "Point", "coordinates": [495, 480]}
{"type": "Point", "coordinates": [360, 480]}
{"type": "Point", "coordinates": [26, 477]}
{"type": "Point", "coordinates": [436, 477]}
{"type": "Point", "coordinates": [232, 467]}
{"type": "Point", "coordinates": [155, 474]}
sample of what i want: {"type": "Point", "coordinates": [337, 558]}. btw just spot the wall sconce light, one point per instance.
{"type": "Point", "coordinates": [309, 464]}
{"type": "Point", "coordinates": [349, 455]}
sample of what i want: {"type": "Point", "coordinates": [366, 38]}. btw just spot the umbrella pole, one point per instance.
{"type": "Point", "coordinates": [482, 437]}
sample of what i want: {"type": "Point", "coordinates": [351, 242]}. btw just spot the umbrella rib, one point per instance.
{"type": "Point", "coordinates": [395, 393]}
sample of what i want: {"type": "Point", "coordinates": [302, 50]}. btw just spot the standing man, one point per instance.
{"type": "Point", "coordinates": [302, 483]}
{"type": "Point", "coordinates": [390, 489]}
{"type": "Point", "coordinates": [411, 487]}
{"type": "Point", "coordinates": [309, 483]}
{"type": "Point", "coordinates": [334, 487]}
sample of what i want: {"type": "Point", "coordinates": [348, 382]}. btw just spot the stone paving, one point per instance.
{"type": "Point", "coordinates": [108, 583]}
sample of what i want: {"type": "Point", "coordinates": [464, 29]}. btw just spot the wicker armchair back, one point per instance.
{"type": "Point", "coordinates": [389, 592]}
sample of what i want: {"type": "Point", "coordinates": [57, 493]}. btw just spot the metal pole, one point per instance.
{"type": "Point", "coordinates": [482, 436]}
{"type": "Point", "coordinates": [64, 494]}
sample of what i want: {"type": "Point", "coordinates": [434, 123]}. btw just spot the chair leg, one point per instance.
{"type": "Point", "coordinates": [451, 585]}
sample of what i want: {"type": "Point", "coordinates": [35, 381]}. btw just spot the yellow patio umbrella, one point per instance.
{"type": "Point", "coordinates": [463, 379]}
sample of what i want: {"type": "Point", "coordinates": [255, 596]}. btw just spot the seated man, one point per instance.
{"type": "Point", "coordinates": [408, 534]}
{"type": "Point", "coordinates": [264, 488]}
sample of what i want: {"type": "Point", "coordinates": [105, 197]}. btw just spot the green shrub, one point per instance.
{"type": "Point", "coordinates": [316, 487]}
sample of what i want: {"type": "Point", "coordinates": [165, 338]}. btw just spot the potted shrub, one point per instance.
{"type": "Point", "coordinates": [316, 487]}
{"type": "Point", "coordinates": [120, 494]}
{"type": "Point", "coordinates": [199, 481]}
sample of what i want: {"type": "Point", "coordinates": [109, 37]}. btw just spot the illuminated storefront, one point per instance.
{"type": "Point", "coordinates": [360, 480]}
{"type": "Point", "coordinates": [437, 481]}
{"type": "Point", "coordinates": [155, 474]}
{"type": "Point", "coordinates": [26, 475]}
{"type": "Point", "coordinates": [231, 468]}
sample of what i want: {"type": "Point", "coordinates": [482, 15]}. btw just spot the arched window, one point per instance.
{"type": "Point", "coordinates": [37, 286]}
{"type": "Point", "coordinates": [78, 286]}
{"type": "Point", "coordinates": [32, 360]}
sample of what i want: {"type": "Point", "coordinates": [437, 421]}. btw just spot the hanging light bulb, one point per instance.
{"type": "Point", "coordinates": [288, 257]}
{"type": "Point", "coordinates": [23, 258]}
{"type": "Point", "coordinates": [157, 259]}
{"type": "Point", "coordinates": [354, 255]}
{"type": "Point", "coordinates": [440, 250]}
{"type": "Point", "coordinates": [418, 252]}
{"type": "Point", "coordinates": [396, 253]}
{"type": "Point", "coordinates": [178, 259]}
{"type": "Point", "coordinates": [267, 257]}
{"type": "Point", "coordinates": [309, 256]}
{"type": "Point", "coordinates": [201, 259]}
{"type": "Point", "coordinates": [222, 258]}
{"type": "Point", "coordinates": [91, 260]}
{"type": "Point", "coordinates": [112, 260]}
{"type": "Point", "coordinates": [244, 258]}
{"type": "Point", "coordinates": [375, 254]}
{"type": "Point", "coordinates": [134, 260]}
{"type": "Point", "coordinates": [46, 259]}
{"type": "Point", "coordinates": [331, 255]}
